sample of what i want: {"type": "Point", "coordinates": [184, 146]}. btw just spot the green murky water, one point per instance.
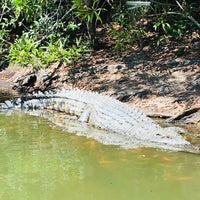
{"type": "Point", "coordinates": [40, 161]}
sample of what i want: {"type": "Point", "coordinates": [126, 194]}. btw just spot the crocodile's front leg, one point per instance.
{"type": "Point", "coordinates": [85, 116]}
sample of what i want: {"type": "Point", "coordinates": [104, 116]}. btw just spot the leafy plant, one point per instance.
{"type": "Point", "coordinates": [125, 29]}
{"type": "Point", "coordinates": [172, 19]}
{"type": "Point", "coordinates": [38, 32]}
{"type": "Point", "coordinates": [162, 25]}
{"type": "Point", "coordinates": [88, 13]}
{"type": "Point", "coordinates": [26, 52]}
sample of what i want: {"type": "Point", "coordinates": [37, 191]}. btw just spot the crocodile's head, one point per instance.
{"type": "Point", "coordinates": [169, 138]}
{"type": "Point", "coordinates": [172, 139]}
{"type": "Point", "coordinates": [187, 147]}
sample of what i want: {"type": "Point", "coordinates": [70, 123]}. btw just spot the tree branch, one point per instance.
{"type": "Point", "coordinates": [187, 15]}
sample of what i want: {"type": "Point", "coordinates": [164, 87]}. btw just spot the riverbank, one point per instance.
{"type": "Point", "coordinates": [155, 80]}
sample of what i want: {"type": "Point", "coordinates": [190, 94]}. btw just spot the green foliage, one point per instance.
{"type": "Point", "coordinates": [23, 51]}
{"type": "Point", "coordinates": [173, 19]}
{"type": "Point", "coordinates": [126, 36]}
{"type": "Point", "coordinates": [85, 12]}
{"type": "Point", "coordinates": [162, 25]}
{"type": "Point", "coordinates": [166, 29]}
{"type": "Point", "coordinates": [89, 12]}
{"type": "Point", "coordinates": [38, 32]}
{"type": "Point", "coordinates": [26, 52]}
{"type": "Point", "coordinates": [125, 29]}
{"type": "Point", "coordinates": [28, 9]}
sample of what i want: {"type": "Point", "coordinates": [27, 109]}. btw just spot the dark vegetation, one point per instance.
{"type": "Point", "coordinates": [38, 32]}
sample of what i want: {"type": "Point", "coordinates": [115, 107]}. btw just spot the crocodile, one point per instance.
{"type": "Point", "coordinates": [119, 120]}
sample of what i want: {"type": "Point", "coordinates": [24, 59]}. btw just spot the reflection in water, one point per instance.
{"type": "Point", "coordinates": [41, 161]}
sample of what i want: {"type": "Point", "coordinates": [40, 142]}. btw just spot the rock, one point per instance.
{"type": "Point", "coordinates": [3, 63]}
{"type": "Point", "coordinates": [42, 76]}
{"type": "Point", "coordinates": [196, 84]}
{"type": "Point", "coordinates": [25, 82]}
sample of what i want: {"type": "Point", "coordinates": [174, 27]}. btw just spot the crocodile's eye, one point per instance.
{"type": "Point", "coordinates": [168, 137]}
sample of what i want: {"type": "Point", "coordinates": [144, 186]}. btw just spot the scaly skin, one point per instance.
{"type": "Point", "coordinates": [108, 114]}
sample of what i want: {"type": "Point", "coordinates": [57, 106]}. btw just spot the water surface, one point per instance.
{"type": "Point", "coordinates": [40, 161]}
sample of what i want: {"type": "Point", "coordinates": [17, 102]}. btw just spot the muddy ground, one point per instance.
{"type": "Point", "coordinates": [159, 80]}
